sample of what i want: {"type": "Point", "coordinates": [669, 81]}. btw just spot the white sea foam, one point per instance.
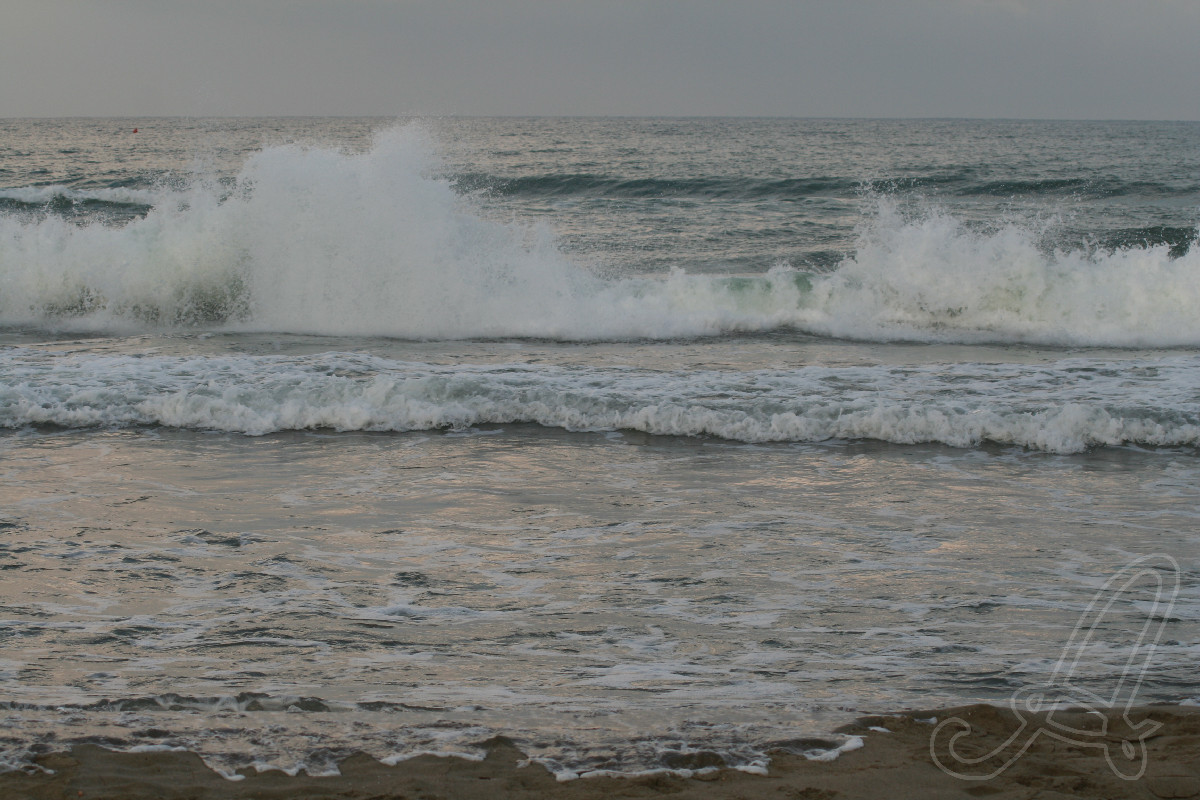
{"type": "Point", "coordinates": [324, 241]}
{"type": "Point", "coordinates": [934, 279]}
{"type": "Point", "coordinates": [1061, 407]}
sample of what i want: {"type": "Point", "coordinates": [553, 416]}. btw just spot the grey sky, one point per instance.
{"type": "Point", "coordinates": [1103, 59]}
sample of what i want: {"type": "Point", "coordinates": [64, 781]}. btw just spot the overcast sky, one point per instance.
{"type": "Point", "coordinates": [1090, 59]}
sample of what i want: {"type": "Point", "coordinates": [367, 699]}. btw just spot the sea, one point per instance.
{"type": "Point", "coordinates": [648, 444]}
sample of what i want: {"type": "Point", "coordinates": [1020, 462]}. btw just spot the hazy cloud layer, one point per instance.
{"type": "Point", "coordinates": [886, 58]}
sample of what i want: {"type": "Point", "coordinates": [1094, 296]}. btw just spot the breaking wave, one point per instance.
{"type": "Point", "coordinates": [312, 240]}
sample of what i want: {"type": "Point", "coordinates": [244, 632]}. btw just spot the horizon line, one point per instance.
{"type": "Point", "coordinates": [418, 116]}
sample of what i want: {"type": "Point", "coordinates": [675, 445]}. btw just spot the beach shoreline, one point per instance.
{"type": "Point", "coordinates": [1066, 758]}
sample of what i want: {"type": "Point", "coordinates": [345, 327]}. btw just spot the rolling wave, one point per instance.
{"type": "Point", "coordinates": [1062, 407]}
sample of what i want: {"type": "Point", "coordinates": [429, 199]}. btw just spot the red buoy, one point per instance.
{"type": "Point", "coordinates": [135, 130]}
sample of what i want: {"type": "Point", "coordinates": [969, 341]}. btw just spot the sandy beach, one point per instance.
{"type": "Point", "coordinates": [895, 761]}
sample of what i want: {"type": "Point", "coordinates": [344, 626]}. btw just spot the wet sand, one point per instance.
{"type": "Point", "coordinates": [898, 763]}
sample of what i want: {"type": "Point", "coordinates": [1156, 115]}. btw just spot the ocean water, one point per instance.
{"type": "Point", "coordinates": [649, 444]}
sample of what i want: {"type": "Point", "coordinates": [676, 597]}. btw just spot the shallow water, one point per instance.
{"type": "Point", "coordinates": [574, 591]}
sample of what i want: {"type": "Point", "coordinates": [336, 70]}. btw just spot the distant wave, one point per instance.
{"type": "Point", "coordinates": [45, 195]}
{"type": "Point", "coordinates": [113, 205]}
{"type": "Point", "coordinates": [1086, 187]}
{"type": "Point", "coordinates": [321, 241]}
{"type": "Point", "coordinates": [1061, 407]}
{"type": "Point", "coordinates": [957, 183]}
{"type": "Point", "coordinates": [567, 185]}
